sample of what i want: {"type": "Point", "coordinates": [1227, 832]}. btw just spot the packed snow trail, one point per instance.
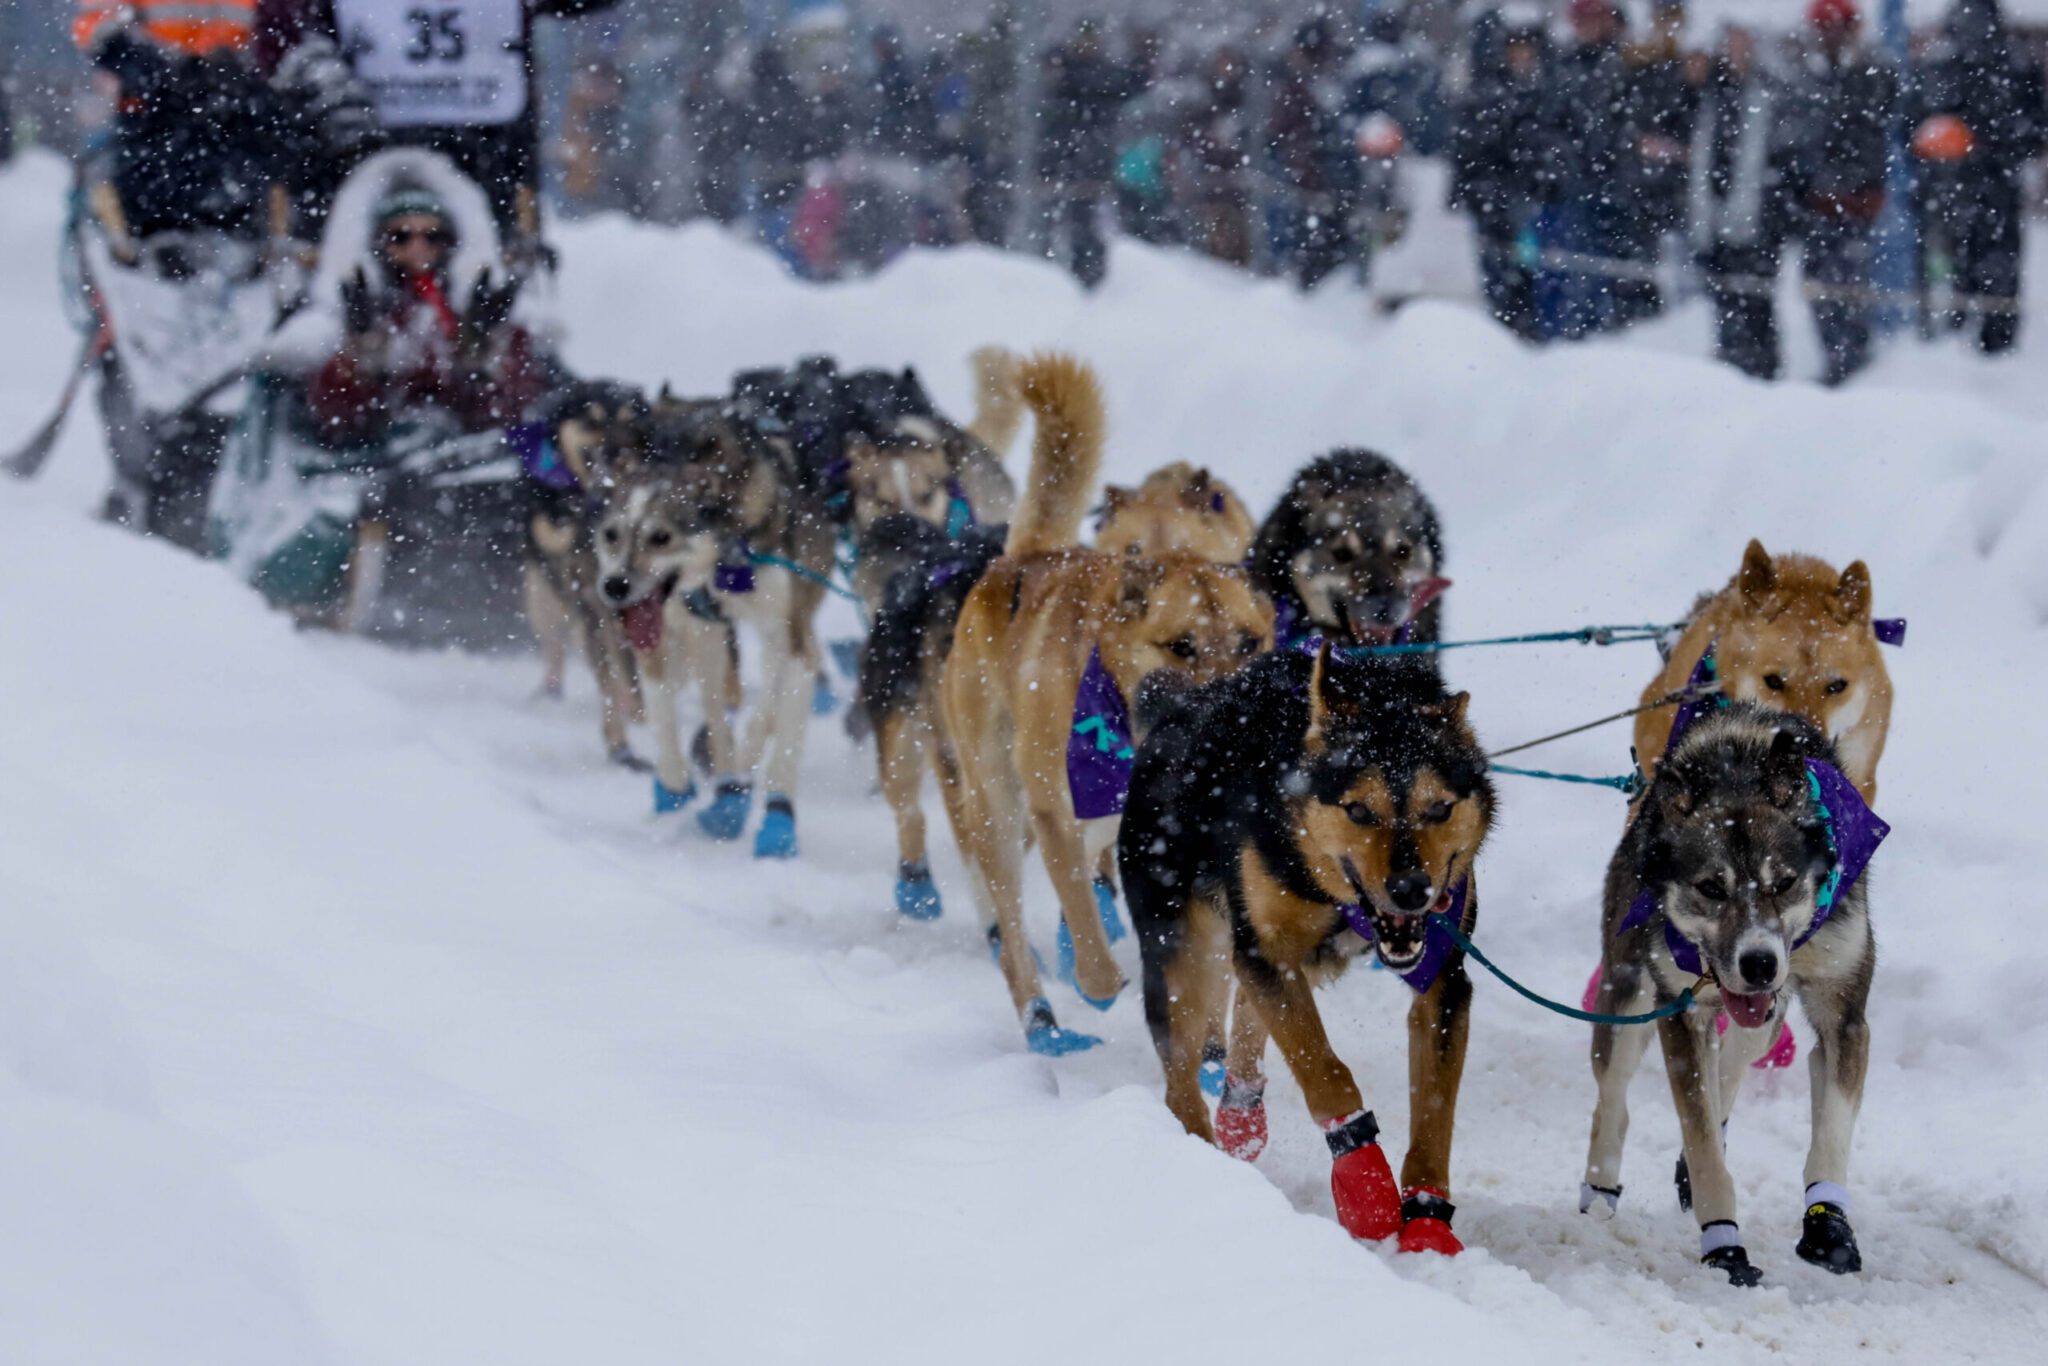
{"type": "Point", "coordinates": [352, 1010]}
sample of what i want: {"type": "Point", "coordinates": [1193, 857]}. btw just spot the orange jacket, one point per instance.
{"type": "Point", "coordinates": [180, 25]}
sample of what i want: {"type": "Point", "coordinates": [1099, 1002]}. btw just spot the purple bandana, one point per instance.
{"type": "Point", "coordinates": [542, 463]}
{"type": "Point", "coordinates": [1436, 940]}
{"type": "Point", "coordinates": [736, 576]}
{"type": "Point", "coordinates": [1854, 832]}
{"type": "Point", "coordinates": [1890, 630]}
{"type": "Point", "coordinates": [1099, 753]}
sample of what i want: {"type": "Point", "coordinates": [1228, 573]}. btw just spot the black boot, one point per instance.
{"type": "Point", "coordinates": [1826, 1240]}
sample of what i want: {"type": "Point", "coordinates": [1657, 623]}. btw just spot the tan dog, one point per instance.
{"type": "Point", "coordinates": [1178, 508]}
{"type": "Point", "coordinates": [1792, 634]}
{"type": "Point", "coordinates": [1021, 647]}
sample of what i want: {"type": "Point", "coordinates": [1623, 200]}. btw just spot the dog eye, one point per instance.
{"type": "Point", "coordinates": [1248, 645]}
{"type": "Point", "coordinates": [1342, 554]}
{"type": "Point", "coordinates": [1711, 889]}
{"type": "Point", "coordinates": [1783, 885]}
{"type": "Point", "coordinates": [658, 538]}
{"type": "Point", "coordinates": [1402, 550]}
{"type": "Point", "coordinates": [1836, 687]}
{"type": "Point", "coordinates": [1360, 814]}
{"type": "Point", "coordinates": [1437, 814]}
{"type": "Point", "coordinates": [1182, 648]}
{"type": "Point", "coordinates": [1775, 682]}
{"type": "Point", "coordinates": [611, 535]}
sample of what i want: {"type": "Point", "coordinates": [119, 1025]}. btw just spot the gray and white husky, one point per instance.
{"type": "Point", "coordinates": [1726, 882]}
{"type": "Point", "coordinates": [713, 535]}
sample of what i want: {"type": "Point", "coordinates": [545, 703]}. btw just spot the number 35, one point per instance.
{"type": "Point", "coordinates": [436, 35]}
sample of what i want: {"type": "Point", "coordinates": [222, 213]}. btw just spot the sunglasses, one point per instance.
{"type": "Point", "coordinates": [434, 236]}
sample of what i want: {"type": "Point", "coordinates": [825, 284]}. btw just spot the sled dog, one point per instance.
{"type": "Point", "coordinates": [1285, 820]}
{"type": "Point", "coordinates": [1353, 551]}
{"type": "Point", "coordinates": [1048, 629]}
{"type": "Point", "coordinates": [596, 432]}
{"type": "Point", "coordinates": [715, 536]}
{"type": "Point", "coordinates": [1787, 632]}
{"type": "Point", "coordinates": [1178, 508]}
{"type": "Point", "coordinates": [1736, 877]}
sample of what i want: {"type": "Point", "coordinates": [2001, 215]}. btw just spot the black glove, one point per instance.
{"type": "Point", "coordinates": [490, 308]}
{"type": "Point", "coordinates": [358, 308]}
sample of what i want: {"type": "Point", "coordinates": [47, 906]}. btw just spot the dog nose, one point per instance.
{"type": "Point", "coordinates": [1759, 967]}
{"type": "Point", "coordinates": [617, 586]}
{"type": "Point", "coordinates": [1408, 891]}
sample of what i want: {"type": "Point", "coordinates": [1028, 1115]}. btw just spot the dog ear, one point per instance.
{"type": "Point", "coordinates": [1758, 576]}
{"type": "Point", "coordinates": [1114, 497]}
{"type": "Point", "coordinates": [1785, 768]}
{"type": "Point", "coordinates": [1449, 713]}
{"type": "Point", "coordinates": [1319, 709]}
{"type": "Point", "coordinates": [1853, 589]}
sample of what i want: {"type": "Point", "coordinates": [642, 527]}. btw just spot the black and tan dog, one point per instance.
{"type": "Point", "coordinates": [1048, 628]}
{"type": "Point", "coordinates": [1738, 878]}
{"type": "Point", "coordinates": [596, 432]}
{"type": "Point", "coordinates": [1353, 551]}
{"type": "Point", "coordinates": [1283, 820]}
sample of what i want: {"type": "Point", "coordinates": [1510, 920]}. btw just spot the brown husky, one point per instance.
{"type": "Point", "coordinates": [1046, 617]}
{"type": "Point", "coordinates": [1177, 508]}
{"type": "Point", "coordinates": [1792, 634]}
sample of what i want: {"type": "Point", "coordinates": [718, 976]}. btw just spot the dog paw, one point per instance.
{"type": "Point", "coordinates": [824, 701]}
{"type": "Point", "coordinates": [1599, 1201]}
{"type": "Point", "coordinates": [1361, 1182]}
{"type": "Point", "coordinates": [1105, 906]}
{"type": "Point", "coordinates": [727, 814]}
{"type": "Point", "coordinates": [627, 759]}
{"type": "Point", "coordinates": [1241, 1118]}
{"type": "Point", "coordinates": [668, 801]}
{"type": "Point", "coordinates": [1210, 1076]}
{"type": "Point", "coordinates": [777, 836]}
{"type": "Point", "coordinates": [1826, 1240]}
{"type": "Point", "coordinates": [1064, 944]}
{"type": "Point", "coordinates": [1733, 1263]}
{"type": "Point", "coordinates": [1426, 1223]}
{"type": "Point", "coordinates": [1044, 1036]}
{"type": "Point", "coordinates": [917, 896]}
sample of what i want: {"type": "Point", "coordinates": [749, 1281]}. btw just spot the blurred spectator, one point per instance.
{"type": "Point", "coordinates": [1837, 113]}
{"type": "Point", "coordinates": [1498, 160]}
{"type": "Point", "coordinates": [1311, 154]}
{"type": "Point", "coordinates": [1085, 94]}
{"type": "Point", "coordinates": [1592, 229]}
{"type": "Point", "coordinates": [1738, 210]}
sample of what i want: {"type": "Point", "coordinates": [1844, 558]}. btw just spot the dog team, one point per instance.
{"type": "Point", "coordinates": [1240, 724]}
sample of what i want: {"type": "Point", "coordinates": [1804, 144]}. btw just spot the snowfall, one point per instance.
{"type": "Point", "coordinates": [353, 1010]}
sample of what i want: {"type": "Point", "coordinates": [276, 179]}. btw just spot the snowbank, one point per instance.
{"type": "Point", "coordinates": [351, 1010]}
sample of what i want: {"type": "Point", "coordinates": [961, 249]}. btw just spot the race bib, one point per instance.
{"type": "Point", "coordinates": [438, 62]}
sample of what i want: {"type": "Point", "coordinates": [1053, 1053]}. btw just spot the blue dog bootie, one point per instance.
{"type": "Point", "coordinates": [917, 896]}
{"type": "Point", "coordinates": [1105, 906]}
{"type": "Point", "coordinates": [1064, 942]}
{"type": "Point", "coordinates": [824, 701]}
{"type": "Point", "coordinates": [777, 836]}
{"type": "Point", "coordinates": [1211, 1074]}
{"type": "Point", "coordinates": [1043, 1035]}
{"type": "Point", "coordinates": [727, 814]}
{"type": "Point", "coordinates": [668, 801]}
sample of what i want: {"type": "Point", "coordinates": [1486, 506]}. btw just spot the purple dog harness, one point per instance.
{"type": "Point", "coordinates": [1099, 750]}
{"type": "Point", "coordinates": [1436, 940]}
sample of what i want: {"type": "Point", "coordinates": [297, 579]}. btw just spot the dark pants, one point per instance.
{"type": "Point", "coordinates": [1838, 257]}
{"type": "Point", "coordinates": [1078, 209]}
{"type": "Point", "coordinates": [1505, 273]}
{"type": "Point", "coordinates": [1987, 260]}
{"type": "Point", "coordinates": [1741, 282]}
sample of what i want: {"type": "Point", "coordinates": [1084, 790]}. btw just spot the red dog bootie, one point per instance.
{"type": "Point", "coordinates": [1361, 1182]}
{"type": "Point", "coordinates": [1426, 1223]}
{"type": "Point", "coordinates": [1241, 1117]}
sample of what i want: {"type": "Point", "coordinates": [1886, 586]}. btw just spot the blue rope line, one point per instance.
{"type": "Point", "coordinates": [1684, 1002]}
{"type": "Point", "coordinates": [761, 557]}
{"type": "Point", "coordinates": [1626, 784]}
{"type": "Point", "coordinates": [1585, 635]}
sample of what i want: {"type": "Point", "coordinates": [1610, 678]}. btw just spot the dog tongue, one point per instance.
{"type": "Point", "coordinates": [643, 623]}
{"type": "Point", "coordinates": [1747, 1011]}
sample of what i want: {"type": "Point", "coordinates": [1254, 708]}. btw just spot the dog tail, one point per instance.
{"type": "Point", "coordinates": [1065, 399]}
{"type": "Point", "coordinates": [998, 406]}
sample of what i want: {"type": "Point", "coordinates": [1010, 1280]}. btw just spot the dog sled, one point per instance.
{"type": "Point", "coordinates": [177, 332]}
{"type": "Point", "coordinates": [418, 534]}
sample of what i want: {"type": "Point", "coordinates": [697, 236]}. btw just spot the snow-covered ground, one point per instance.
{"type": "Point", "coordinates": [352, 1010]}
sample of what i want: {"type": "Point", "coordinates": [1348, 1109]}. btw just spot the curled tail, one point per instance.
{"type": "Point", "coordinates": [998, 407]}
{"type": "Point", "coordinates": [1065, 399]}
